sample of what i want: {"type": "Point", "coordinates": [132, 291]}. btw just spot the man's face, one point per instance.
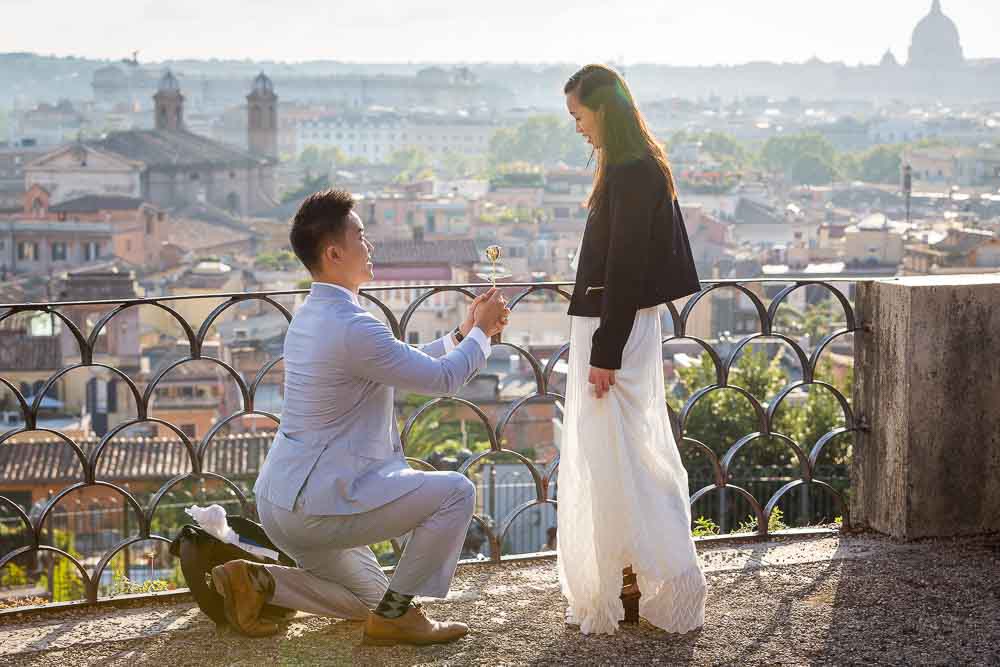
{"type": "Point", "coordinates": [353, 258]}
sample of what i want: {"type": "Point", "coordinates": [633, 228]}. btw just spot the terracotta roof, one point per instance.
{"type": "Point", "coordinates": [194, 235]}
{"type": "Point", "coordinates": [20, 352]}
{"type": "Point", "coordinates": [130, 459]}
{"type": "Point", "coordinates": [163, 148]}
{"type": "Point", "coordinates": [88, 286]}
{"type": "Point", "coordinates": [751, 212]}
{"type": "Point", "coordinates": [452, 252]}
{"type": "Point", "coordinates": [97, 203]}
{"type": "Point", "coordinates": [963, 240]}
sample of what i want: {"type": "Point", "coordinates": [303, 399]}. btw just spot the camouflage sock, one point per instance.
{"type": "Point", "coordinates": [393, 604]}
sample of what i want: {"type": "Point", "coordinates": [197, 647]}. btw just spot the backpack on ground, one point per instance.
{"type": "Point", "coordinates": [200, 551]}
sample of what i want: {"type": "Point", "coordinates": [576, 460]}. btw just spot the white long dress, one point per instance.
{"type": "Point", "coordinates": [623, 492]}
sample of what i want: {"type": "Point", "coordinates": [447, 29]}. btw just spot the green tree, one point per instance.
{"type": "Point", "coordinates": [409, 158]}
{"type": "Point", "coordinates": [310, 184]}
{"type": "Point", "coordinates": [435, 432]}
{"type": "Point", "coordinates": [807, 159]}
{"type": "Point", "coordinates": [67, 585]}
{"type": "Point", "coordinates": [14, 575]}
{"type": "Point", "coordinates": [818, 320]}
{"type": "Point", "coordinates": [317, 159]}
{"type": "Point", "coordinates": [819, 414]}
{"type": "Point", "coordinates": [458, 165]}
{"type": "Point", "coordinates": [882, 164]}
{"type": "Point", "coordinates": [725, 416]}
{"type": "Point", "coordinates": [539, 140]}
{"type": "Point", "coordinates": [812, 170]}
{"type": "Point", "coordinates": [276, 261]}
{"type": "Point", "coordinates": [731, 154]}
{"type": "Point", "coordinates": [414, 164]}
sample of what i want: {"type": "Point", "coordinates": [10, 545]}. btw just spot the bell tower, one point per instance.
{"type": "Point", "coordinates": [262, 118]}
{"type": "Point", "coordinates": [169, 104]}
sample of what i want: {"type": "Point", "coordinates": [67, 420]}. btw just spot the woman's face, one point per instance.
{"type": "Point", "coordinates": [588, 122]}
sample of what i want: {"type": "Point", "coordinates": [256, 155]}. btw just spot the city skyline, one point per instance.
{"type": "Point", "coordinates": [377, 31]}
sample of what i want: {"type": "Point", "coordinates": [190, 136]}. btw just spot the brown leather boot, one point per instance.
{"type": "Point", "coordinates": [242, 601]}
{"type": "Point", "coordinates": [413, 627]}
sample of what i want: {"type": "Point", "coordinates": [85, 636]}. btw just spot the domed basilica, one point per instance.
{"type": "Point", "coordinates": [935, 43]}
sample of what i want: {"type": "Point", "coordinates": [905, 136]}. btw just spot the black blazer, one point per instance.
{"type": "Point", "coordinates": [635, 255]}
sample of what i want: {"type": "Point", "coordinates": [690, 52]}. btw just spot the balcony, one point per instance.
{"type": "Point", "coordinates": [83, 511]}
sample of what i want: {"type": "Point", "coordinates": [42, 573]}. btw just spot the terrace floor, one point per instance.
{"type": "Point", "coordinates": [828, 600]}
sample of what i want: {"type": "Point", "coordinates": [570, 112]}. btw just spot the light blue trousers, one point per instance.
{"type": "Point", "coordinates": [337, 573]}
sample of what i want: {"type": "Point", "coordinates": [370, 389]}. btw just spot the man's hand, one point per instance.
{"type": "Point", "coordinates": [602, 379]}
{"type": "Point", "coordinates": [491, 314]}
{"type": "Point", "coordinates": [470, 313]}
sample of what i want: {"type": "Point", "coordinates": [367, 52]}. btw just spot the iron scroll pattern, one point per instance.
{"type": "Point", "coordinates": [541, 476]}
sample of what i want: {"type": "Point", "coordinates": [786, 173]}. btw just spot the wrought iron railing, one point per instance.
{"type": "Point", "coordinates": [33, 537]}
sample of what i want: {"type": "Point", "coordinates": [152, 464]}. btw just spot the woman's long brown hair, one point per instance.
{"type": "Point", "coordinates": [626, 135]}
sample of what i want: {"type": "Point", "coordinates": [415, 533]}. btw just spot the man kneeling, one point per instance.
{"type": "Point", "coordinates": [335, 479]}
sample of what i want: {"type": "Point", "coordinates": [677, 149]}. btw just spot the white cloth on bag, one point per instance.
{"type": "Point", "coordinates": [623, 491]}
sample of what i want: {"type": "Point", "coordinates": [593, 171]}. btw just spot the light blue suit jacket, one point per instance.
{"type": "Point", "coordinates": [338, 449]}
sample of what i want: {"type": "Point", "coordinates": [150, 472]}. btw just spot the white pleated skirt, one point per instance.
{"type": "Point", "coordinates": [623, 492]}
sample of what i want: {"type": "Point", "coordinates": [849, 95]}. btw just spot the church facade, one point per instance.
{"type": "Point", "coordinates": [169, 166]}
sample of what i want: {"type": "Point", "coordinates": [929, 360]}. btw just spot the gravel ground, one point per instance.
{"type": "Point", "coordinates": [861, 600]}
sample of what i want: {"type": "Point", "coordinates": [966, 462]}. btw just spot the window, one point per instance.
{"type": "Point", "coordinates": [91, 251]}
{"type": "Point", "coordinates": [413, 337]}
{"type": "Point", "coordinates": [194, 176]}
{"type": "Point", "coordinates": [128, 246]}
{"type": "Point", "coordinates": [27, 251]}
{"type": "Point", "coordinates": [150, 227]}
{"type": "Point", "coordinates": [58, 252]}
{"type": "Point", "coordinates": [189, 430]}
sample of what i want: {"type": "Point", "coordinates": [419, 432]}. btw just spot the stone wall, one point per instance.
{"type": "Point", "coordinates": [928, 384]}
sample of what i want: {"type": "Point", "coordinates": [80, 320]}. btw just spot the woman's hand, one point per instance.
{"type": "Point", "coordinates": [602, 379]}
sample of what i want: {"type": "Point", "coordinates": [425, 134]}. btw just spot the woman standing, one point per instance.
{"type": "Point", "coordinates": [623, 491]}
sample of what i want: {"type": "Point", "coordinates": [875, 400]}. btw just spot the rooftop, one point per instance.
{"type": "Point", "coordinates": [98, 203]}
{"type": "Point", "coordinates": [163, 148]}
{"type": "Point", "coordinates": [194, 235]}
{"type": "Point", "coordinates": [21, 352]}
{"type": "Point", "coordinates": [448, 251]}
{"type": "Point", "coordinates": [50, 461]}
{"type": "Point", "coordinates": [775, 602]}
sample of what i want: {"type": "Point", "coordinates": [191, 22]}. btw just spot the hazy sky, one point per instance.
{"type": "Point", "coordinates": [574, 31]}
